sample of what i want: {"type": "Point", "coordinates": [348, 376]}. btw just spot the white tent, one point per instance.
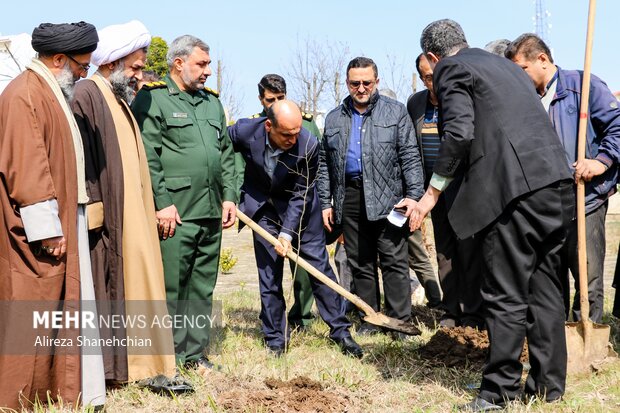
{"type": "Point", "coordinates": [15, 53]}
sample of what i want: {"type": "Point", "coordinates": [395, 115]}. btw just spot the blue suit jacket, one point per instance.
{"type": "Point", "coordinates": [291, 190]}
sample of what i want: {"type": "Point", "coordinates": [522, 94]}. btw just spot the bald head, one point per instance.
{"type": "Point", "coordinates": [283, 124]}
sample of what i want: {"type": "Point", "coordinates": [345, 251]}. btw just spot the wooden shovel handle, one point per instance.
{"type": "Point", "coordinates": [358, 302]}
{"type": "Point", "coordinates": [581, 154]}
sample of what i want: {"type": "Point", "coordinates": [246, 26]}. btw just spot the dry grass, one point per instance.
{"type": "Point", "coordinates": [390, 377]}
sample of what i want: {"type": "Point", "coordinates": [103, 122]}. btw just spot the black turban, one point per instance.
{"type": "Point", "coordinates": [66, 38]}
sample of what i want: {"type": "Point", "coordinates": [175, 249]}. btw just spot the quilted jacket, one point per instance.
{"type": "Point", "coordinates": [391, 164]}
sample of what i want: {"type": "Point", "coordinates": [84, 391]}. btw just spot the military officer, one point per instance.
{"type": "Point", "coordinates": [271, 89]}
{"type": "Point", "coordinates": [191, 161]}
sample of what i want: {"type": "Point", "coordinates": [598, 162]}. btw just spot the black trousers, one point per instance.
{"type": "Point", "coordinates": [364, 240]}
{"type": "Point", "coordinates": [460, 270]}
{"type": "Point", "coordinates": [595, 251]}
{"type": "Point", "coordinates": [522, 294]}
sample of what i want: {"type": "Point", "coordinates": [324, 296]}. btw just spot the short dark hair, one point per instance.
{"type": "Point", "coordinates": [530, 45]}
{"type": "Point", "coordinates": [417, 63]}
{"type": "Point", "coordinates": [271, 115]}
{"type": "Point", "coordinates": [443, 38]}
{"type": "Point", "coordinates": [361, 63]}
{"type": "Point", "coordinates": [273, 83]}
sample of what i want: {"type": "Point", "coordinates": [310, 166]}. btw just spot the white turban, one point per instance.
{"type": "Point", "coordinates": [120, 40]}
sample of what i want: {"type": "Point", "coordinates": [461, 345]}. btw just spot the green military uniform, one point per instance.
{"type": "Point", "coordinates": [300, 313]}
{"type": "Point", "coordinates": [191, 161]}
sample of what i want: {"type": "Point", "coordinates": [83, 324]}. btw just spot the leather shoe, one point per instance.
{"type": "Point", "coordinates": [276, 351]}
{"type": "Point", "coordinates": [479, 405]}
{"type": "Point", "coordinates": [161, 384]}
{"type": "Point", "coordinates": [367, 329]}
{"type": "Point", "coordinates": [202, 362]}
{"type": "Point", "coordinates": [349, 347]}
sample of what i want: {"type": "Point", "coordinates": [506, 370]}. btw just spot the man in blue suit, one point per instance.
{"type": "Point", "coordinates": [279, 193]}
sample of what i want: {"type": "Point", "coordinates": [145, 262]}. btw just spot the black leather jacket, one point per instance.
{"type": "Point", "coordinates": [391, 165]}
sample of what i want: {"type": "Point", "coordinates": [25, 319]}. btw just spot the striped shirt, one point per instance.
{"type": "Point", "coordinates": [430, 139]}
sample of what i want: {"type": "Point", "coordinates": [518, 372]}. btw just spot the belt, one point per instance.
{"type": "Point", "coordinates": [355, 182]}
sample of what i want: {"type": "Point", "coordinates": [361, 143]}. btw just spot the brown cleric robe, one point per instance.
{"type": "Point", "coordinates": [37, 163]}
{"type": "Point", "coordinates": [107, 124]}
{"type": "Point", "coordinates": [104, 185]}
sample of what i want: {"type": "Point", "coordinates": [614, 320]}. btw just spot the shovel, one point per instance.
{"type": "Point", "coordinates": [371, 316]}
{"type": "Point", "coordinates": [587, 343]}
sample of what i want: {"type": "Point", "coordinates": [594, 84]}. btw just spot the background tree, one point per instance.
{"type": "Point", "coordinates": [156, 56]}
{"type": "Point", "coordinates": [315, 74]}
{"type": "Point", "coordinates": [230, 95]}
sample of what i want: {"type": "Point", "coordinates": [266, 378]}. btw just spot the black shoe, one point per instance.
{"type": "Point", "coordinates": [202, 362]}
{"type": "Point", "coordinates": [300, 328]}
{"type": "Point", "coordinates": [479, 405]}
{"type": "Point", "coordinates": [276, 351]}
{"type": "Point", "coordinates": [398, 336]}
{"type": "Point", "coordinates": [349, 347]}
{"type": "Point", "coordinates": [161, 384]}
{"type": "Point", "coordinates": [367, 329]}
{"type": "Point", "coordinates": [447, 321]}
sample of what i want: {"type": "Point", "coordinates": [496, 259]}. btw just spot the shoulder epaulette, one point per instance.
{"type": "Point", "coordinates": [307, 116]}
{"type": "Point", "coordinates": [154, 85]}
{"type": "Point", "coordinates": [254, 116]}
{"type": "Point", "coordinates": [211, 91]}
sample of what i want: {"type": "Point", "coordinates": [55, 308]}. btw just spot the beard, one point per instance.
{"type": "Point", "coordinates": [122, 86]}
{"type": "Point", "coordinates": [191, 84]}
{"type": "Point", "coordinates": [66, 81]}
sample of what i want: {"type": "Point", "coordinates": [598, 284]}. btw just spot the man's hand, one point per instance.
{"type": "Point", "coordinates": [328, 219]}
{"type": "Point", "coordinates": [408, 204]}
{"type": "Point", "coordinates": [282, 247]}
{"type": "Point", "coordinates": [588, 169]}
{"type": "Point", "coordinates": [229, 214]}
{"type": "Point", "coordinates": [423, 207]}
{"type": "Point", "coordinates": [56, 247]}
{"type": "Point", "coordinates": [167, 220]}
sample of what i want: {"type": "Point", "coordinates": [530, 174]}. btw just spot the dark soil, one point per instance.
{"type": "Point", "coordinates": [459, 347]}
{"type": "Point", "coordinates": [300, 394]}
{"type": "Point", "coordinates": [422, 315]}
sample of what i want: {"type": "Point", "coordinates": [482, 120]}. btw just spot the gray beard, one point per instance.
{"type": "Point", "coordinates": [121, 85]}
{"type": "Point", "coordinates": [66, 82]}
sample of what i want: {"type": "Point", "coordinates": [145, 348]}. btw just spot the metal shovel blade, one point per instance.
{"type": "Point", "coordinates": [371, 316]}
{"type": "Point", "coordinates": [390, 323]}
{"type": "Point", "coordinates": [587, 344]}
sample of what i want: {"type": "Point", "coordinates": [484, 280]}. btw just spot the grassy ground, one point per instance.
{"type": "Point", "coordinates": [391, 377]}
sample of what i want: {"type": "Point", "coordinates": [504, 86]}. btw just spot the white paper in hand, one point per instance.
{"type": "Point", "coordinates": [396, 218]}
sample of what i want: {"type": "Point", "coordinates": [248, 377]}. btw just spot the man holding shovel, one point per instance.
{"type": "Point", "coordinates": [279, 193]}
{"type": "Point", "coordinates": [559, 93]}
{"type": "Point", "coordinates": [516, 196]}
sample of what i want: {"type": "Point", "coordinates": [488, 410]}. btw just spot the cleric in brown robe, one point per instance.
{"type": "Point", "coordinates": [43, 240]}
{"type": "Point", "coordinates": [127, 264]}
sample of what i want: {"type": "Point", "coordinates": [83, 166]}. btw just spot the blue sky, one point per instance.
{"type": "Point", "coordinates": [258, 37]}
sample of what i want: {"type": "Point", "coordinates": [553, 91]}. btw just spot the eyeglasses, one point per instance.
{"type": "Point", "coordinates": [357, 83]}
{"type": "Point", "coordinates": [427, 78]}
{"type": "Point", "coordinates": [83, 67]}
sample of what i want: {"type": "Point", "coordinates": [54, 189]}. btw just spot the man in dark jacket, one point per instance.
{"type": "Point", "coordinates": [560, 94]}
{"type": "Point", "coordinates": [370, 163]}
{"type": "Point", "coordinates": [515, 195]}
{"type": "Point", "coordinates": [278, 193]}
{"type": "Point", "coordinates": [458, 260]}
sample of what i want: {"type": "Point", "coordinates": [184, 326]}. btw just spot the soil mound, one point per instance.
{"type": "Point", "coordinates": [300, 394]}
{"type": "Point", "coordinates": [460, 346]}
{"type": "Point", "coordinates": [456, 347]}
{"type": "Point", "coordinates": [423, 315]}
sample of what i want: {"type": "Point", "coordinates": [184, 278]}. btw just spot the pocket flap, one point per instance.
{"type": "Point", "coordinates": [215, 123]}
{"type": "Point", "coordinates": [179, 182]}
{"type": "Point", "coordinates": [178, 122]}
